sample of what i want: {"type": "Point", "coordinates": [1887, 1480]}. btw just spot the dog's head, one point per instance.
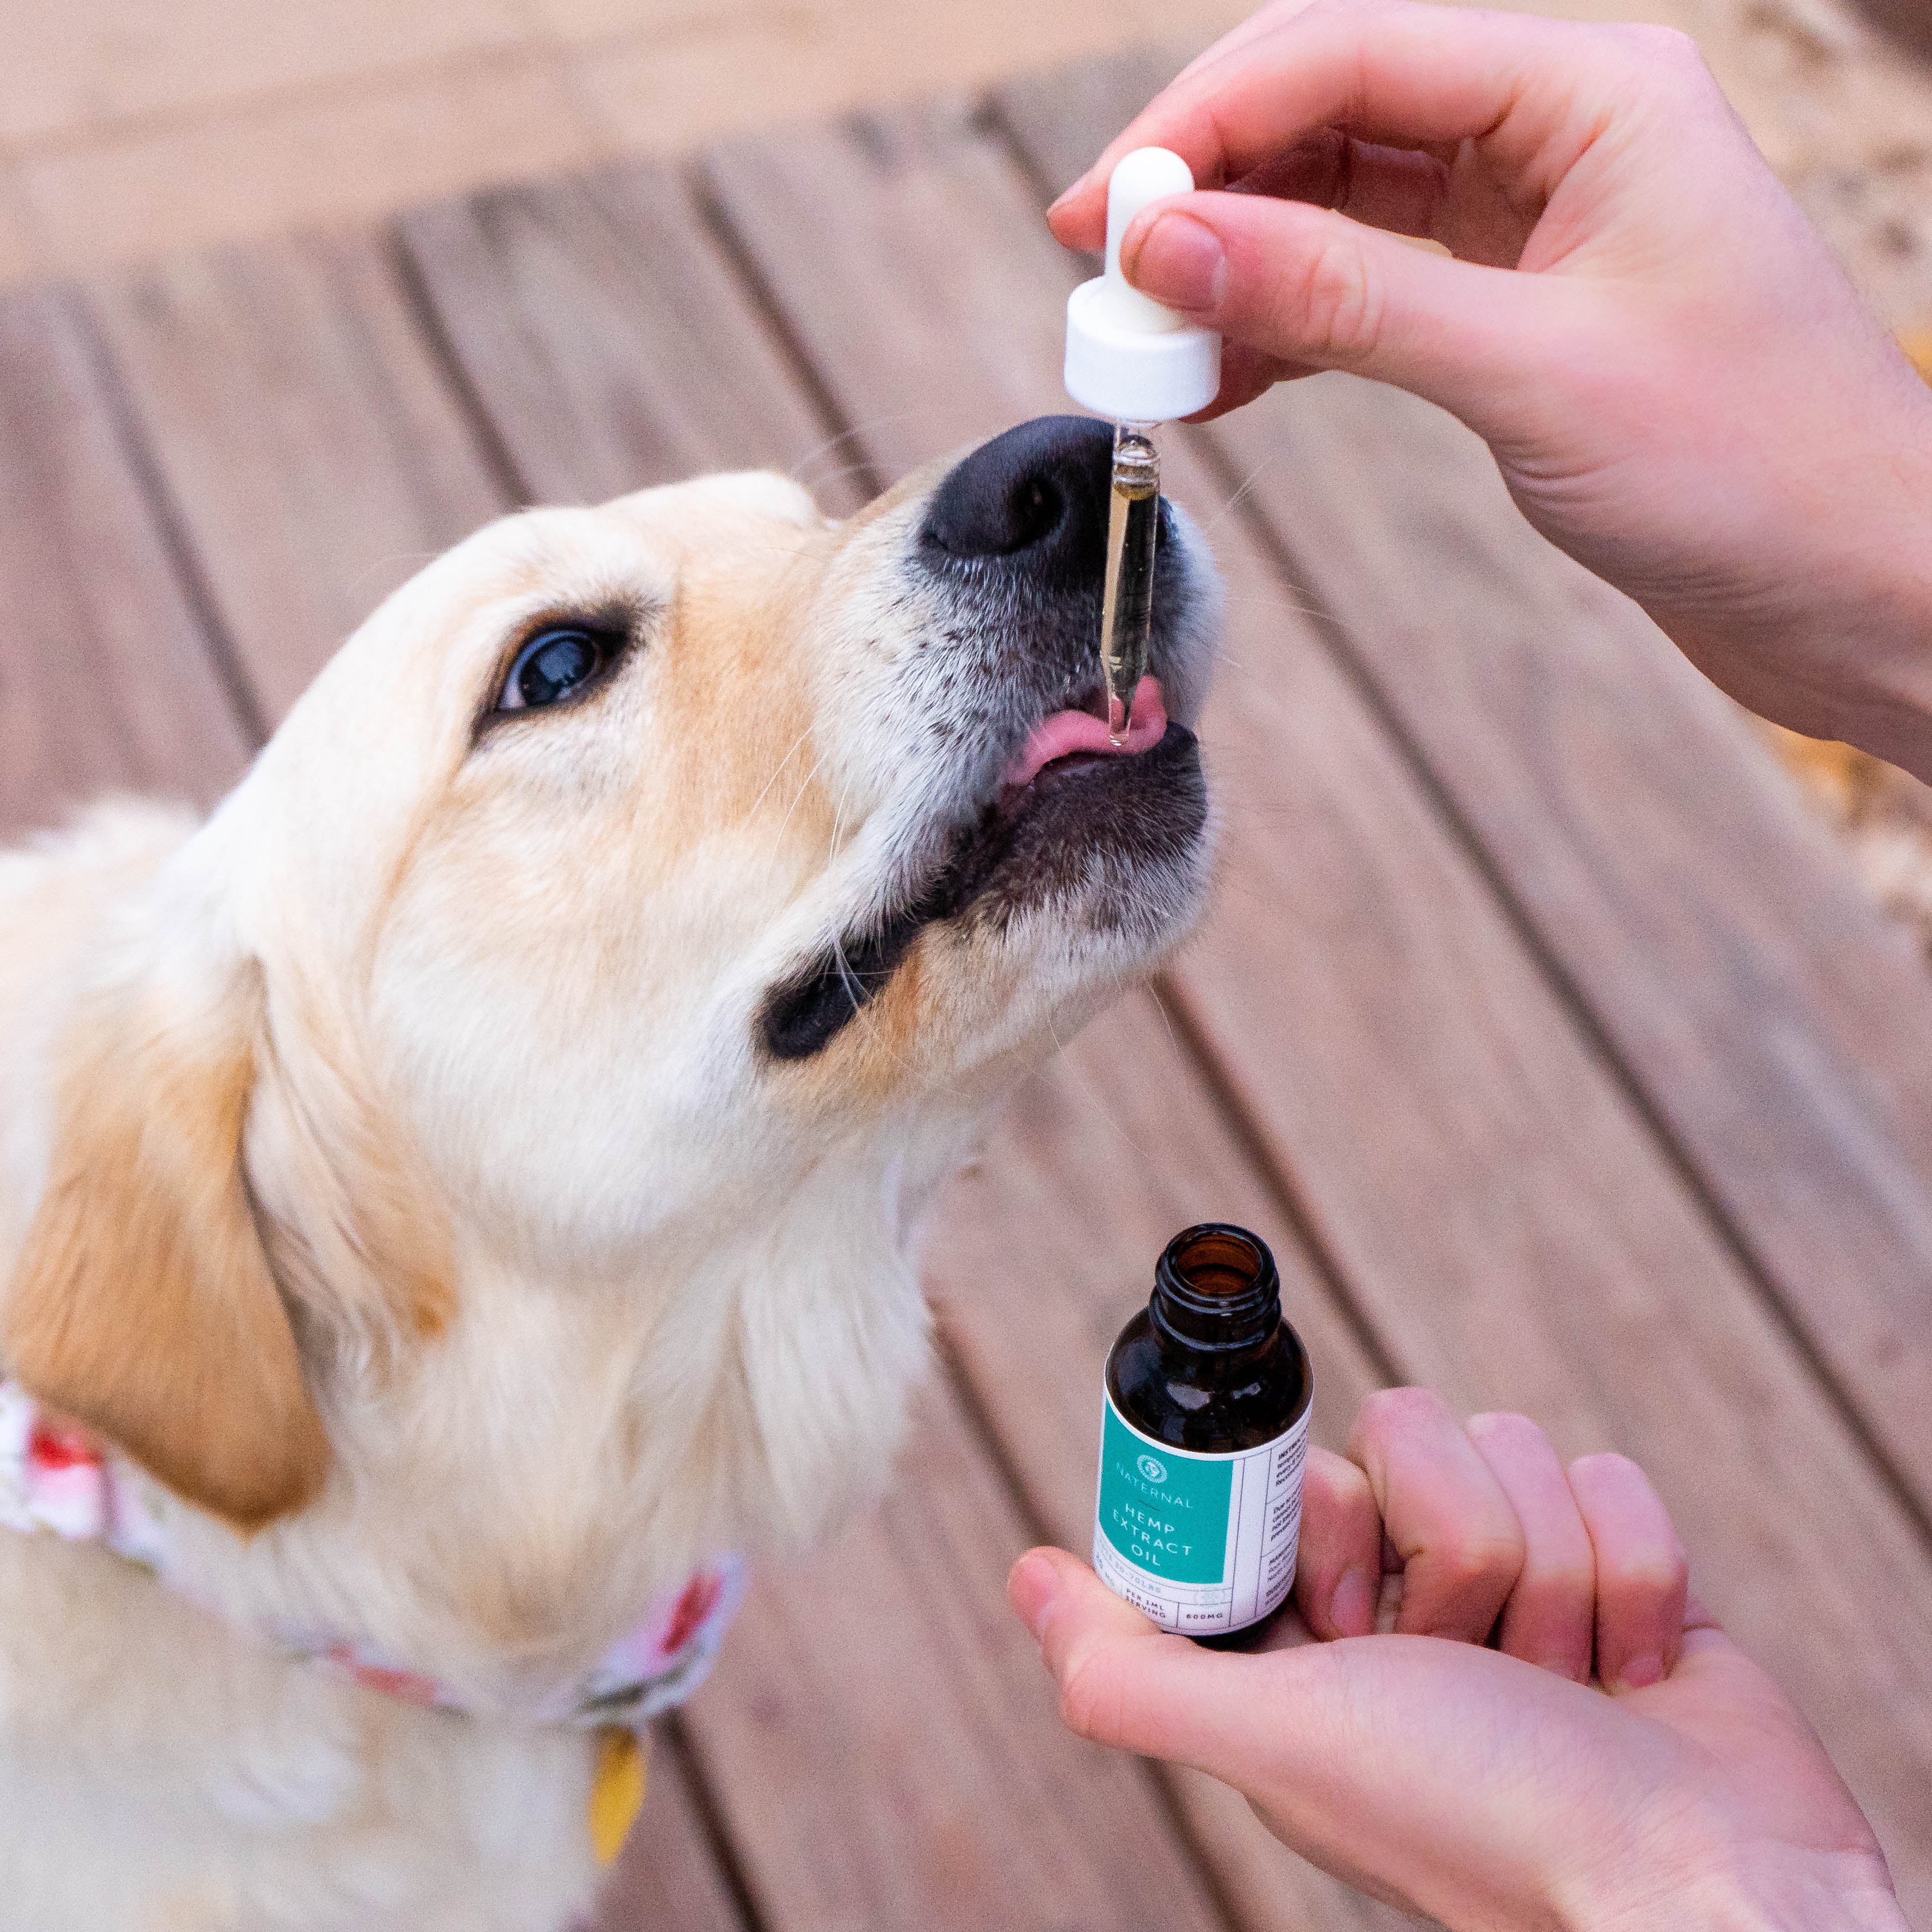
{"type": "Point", "coordinates": [630, 869]}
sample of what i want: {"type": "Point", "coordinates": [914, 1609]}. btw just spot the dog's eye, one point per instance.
{"type": "Point", "coordinates": [555, 663]}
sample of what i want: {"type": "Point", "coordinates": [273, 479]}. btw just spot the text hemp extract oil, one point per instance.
{"type": "Point", "coordinates": [1203, 1434]}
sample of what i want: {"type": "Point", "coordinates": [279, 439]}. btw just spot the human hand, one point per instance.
{"type": "Point", "coordinates": [1681, 388]}
{"type": "Point", "coordinates": [1614, 1760]}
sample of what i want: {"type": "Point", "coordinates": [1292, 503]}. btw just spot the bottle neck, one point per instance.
{"type": "Point", "coordinates": [1216, 1289]}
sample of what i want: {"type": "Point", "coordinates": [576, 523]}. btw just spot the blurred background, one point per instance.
{"type": "Point", "coordinates": [132, 128]}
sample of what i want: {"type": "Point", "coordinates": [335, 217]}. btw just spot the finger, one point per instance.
{"type": "Point", "coordinates": [1310, 287]}
{"type": "Point", "coordinates": [1398, 189]}
{"type": "Point", "coordinates": [1445, 1514]}
{"type": "Point", "coordinates": [1402, 189]}
{"type": "Point", "coordinates": [1697, 1617]}
{"type": "Point", "coordinates": [1410, 76]}
{"type": "Point", "coordinates": [1338, 1568]}
{"type": "Point", "coordinates": [1286, 1630]}
{"type": "Point", "coordinates": [1550, 1618]}
{"type": "Point", "coordinates": [1642, 1577]}
{"type": "Point", "coordinates": [1362, 1756]}
{"type": "Point", "coordinates": [1079, 215]}
{"type": "Point", "coordinates": [1122, 1680]}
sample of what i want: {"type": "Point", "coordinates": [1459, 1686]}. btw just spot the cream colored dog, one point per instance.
{"type": "Point", "coordinates": [469, 1179]}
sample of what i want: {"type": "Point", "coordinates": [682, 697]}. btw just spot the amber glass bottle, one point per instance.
{"type": "Point", "coordinates": [1203, 1435]}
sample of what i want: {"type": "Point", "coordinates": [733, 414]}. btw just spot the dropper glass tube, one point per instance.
{"type": "Point", "coordinates": [1126, 609]}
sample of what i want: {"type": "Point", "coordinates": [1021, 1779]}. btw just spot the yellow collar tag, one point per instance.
{"type": "Point", "coordinates": [617, 1792]}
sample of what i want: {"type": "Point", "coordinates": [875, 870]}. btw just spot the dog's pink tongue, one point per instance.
{"type": "Point", "coordinates": [1068, 731]}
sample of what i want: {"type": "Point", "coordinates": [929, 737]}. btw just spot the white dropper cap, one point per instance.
{"type": "Point", "coordinates": [1128, 356]}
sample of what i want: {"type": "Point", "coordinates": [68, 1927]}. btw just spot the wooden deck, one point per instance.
{"type": "Point", "coordinates": [1536, 1026]}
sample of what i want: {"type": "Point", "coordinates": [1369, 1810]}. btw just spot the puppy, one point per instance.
{"type": "Point", "coordinates": [459, 1193]}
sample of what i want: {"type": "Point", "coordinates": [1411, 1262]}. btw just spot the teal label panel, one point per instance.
{"type": "Point", "coordinates": [1164, 1512]}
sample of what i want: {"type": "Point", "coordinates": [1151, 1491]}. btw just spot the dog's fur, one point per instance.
{"type": "Point", "coordinates": [397, 1167]}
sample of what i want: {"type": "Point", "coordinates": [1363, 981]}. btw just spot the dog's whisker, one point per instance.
{"type": "Point", "coordinates": [1241, 490]}
{"type": "Point", "coordinates": [838, 822]}
{"type": "Point", "coordinates": [804, 786]}
{"type": "Point", "coordinates": [1257, 603]}
{"type": "Point", "coordinates": [1090, 1088]}
{"type": "Point", "coordinates": [838, 475]}
{"type": "Point", "coordinates": [1157, 991]}
{"type": "Point", "coordinates": [860, 468]}
{"type": "Point", "coordinates": [860, 1000]}
{"type": "Point", "coordinates": [777, 771]}
{"type": "Point", "coordinates": [857, 433]}
{"type": "Point", "coordinates": [1086, 1085]}
{"type": "Point", "coordinates": [818, 449]}
{"type": "Point", "coordinates": [380, 565]}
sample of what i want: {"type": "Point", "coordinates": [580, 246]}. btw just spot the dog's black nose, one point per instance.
{"type": "Point", "coordinates": [1037, 495]}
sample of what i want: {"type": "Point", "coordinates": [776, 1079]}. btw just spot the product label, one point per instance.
{"type": "Point", "coordinates": [1201, 1543]}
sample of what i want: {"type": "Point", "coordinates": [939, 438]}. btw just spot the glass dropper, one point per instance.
{"type": "Point", "coordinates": [1126, 610]}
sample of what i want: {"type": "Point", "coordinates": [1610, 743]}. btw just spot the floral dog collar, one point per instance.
{"type": "Point", "coordinates": [57, 1477]}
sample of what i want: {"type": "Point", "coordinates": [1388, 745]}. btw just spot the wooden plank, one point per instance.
{"type": "Point", "coordinates": [106, 677]}
{"type": "Point", "coordinates": [1514, 1231]}
{"type": "Point", "coordinates": [883, 1748]}
{"type": "Point", "coordinates": [1034, 1274]}
{"type": "Point", "coordinates": [667, 1879]}
{"type": "Point", "coordinates": [1772, 1020]}
{"type": "Point", "coordinates": [309, 440]}
{"type": "Point", "coordinates": [616, 346]}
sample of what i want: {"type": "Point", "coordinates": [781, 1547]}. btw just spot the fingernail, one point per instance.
{"type": "Point", "coordinates": [1640, 1673]}
{"type": "Point", "coordinates": [1352, 1608]}
{"type": "Point", "coordinates": [1180, 262]}
{"type": "Point", "coordinates": [1029, 1589]}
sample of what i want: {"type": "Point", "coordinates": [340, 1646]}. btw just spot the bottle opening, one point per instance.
{"type": "Point", "coordinates": [1217, 1285]}
{"type": "Point", "coordinates": [1219, 1262]}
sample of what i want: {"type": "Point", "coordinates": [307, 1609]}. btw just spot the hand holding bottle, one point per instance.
{"type": "Point", "coordinates": [1680, 386]}
{"type": "Point", "coordinates": [1612, 1760]}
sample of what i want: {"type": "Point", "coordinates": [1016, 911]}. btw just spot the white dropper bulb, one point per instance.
{"type": "Point", "coordinates": [1128, 356]}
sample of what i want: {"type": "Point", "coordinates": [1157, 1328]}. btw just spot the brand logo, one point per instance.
{"type": "Point", "coordinates": [1153, 1469]}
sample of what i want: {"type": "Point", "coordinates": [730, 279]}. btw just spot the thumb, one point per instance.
{"type": "Point", "coordinates": [1316, 290]}
{"type": "Point", "coordinates": [1123, 1681]}
{"type": "Point", "coordinates": [1435, 1775]}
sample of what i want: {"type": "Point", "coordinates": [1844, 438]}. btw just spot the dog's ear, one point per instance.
{"type": "Point", "coordinates": [142, 1303]}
